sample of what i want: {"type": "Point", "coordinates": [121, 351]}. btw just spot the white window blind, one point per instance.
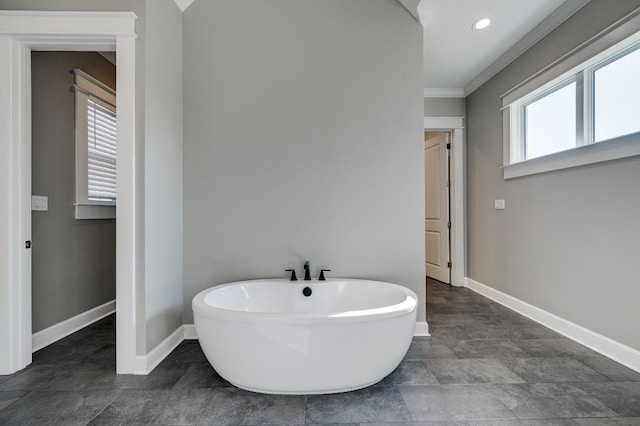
{"type": "Point", "coordinates": [101, 153]}
{"type": "Point", "coordinates": [96, 148]}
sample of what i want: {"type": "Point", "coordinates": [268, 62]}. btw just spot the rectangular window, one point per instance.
{"type": "Point", "coordinates": [550, 122]}
{"type": "Point", "coordinates": [96, 147]}
{"type": "Point", "coordinates": [585, 115]}
{"type": "Point", "coordinates": [616, 97]}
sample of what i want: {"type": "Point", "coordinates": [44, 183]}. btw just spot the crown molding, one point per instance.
{"type": "Point", "coordinates": [445, 92]}
{"type": "Point", "coordinates": [561, 14]}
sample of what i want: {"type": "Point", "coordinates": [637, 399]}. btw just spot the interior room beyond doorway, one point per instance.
{"type": "Point", "coordinates": [437, 166]}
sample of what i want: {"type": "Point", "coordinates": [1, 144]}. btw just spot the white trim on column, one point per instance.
{"type": "Point", "coordinates": [15, 216]}
{"type": "Point", "coordinates": [126, 244]}
{"type": "Point", "coordinates": [421, 329]}
{"type": "Point", "coordinates": [21, 32]}
{"type": "Point", "coordinates": [610, 348]}
{"type": "Point", "coordinates": [146, 363]}
{"type": "Point", "coordinates": [458, 241]}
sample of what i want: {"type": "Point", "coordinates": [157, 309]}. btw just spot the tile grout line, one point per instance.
{"type": "Point", "coordinates": [106, 406]}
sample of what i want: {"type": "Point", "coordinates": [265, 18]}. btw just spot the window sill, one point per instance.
{"type": "Point", "coordinates": [614, 149]}
{"type": "Point", "coordinates": [95, 211]}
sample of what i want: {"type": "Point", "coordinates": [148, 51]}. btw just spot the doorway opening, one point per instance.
{"type": "Point", "coordinates": [454, 128]}
{"type": "Point", "coordinates": [22, 32]}
{"type": "Point", "coordinates": [437, 222]}
{"type": "Point", "coordinates": [73, 185]}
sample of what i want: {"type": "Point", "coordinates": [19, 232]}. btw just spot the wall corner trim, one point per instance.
{"type": "Point", "coordinates": [146, 363]}
{"type": "Point", "coordinates": [421, 329]}
{"type": "Point", "coordinates": [49, 335]}
{"type": "Point", "coordinates": [606, 346]}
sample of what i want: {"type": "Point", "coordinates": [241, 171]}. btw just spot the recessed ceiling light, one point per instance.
{"type": "Point", "coordinates": [481, 23]}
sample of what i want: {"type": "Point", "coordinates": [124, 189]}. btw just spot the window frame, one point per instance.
{"type": "Point", "coordinates": [519, 154]}
{"type": "Point", "coordinates": [86, 87]}
{"type": "Point", "coordinates": [590, 77]}
{"type": "Point", "coordinates": [551, 79]}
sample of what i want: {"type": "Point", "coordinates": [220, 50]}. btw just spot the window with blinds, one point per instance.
{"type": "Point", "coordinates": [96, 148]}
{"type": "Point", "coordinates": [101, 153]}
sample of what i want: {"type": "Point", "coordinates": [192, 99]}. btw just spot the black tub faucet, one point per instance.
{"type": "Point", "coordinates": [293, 274]}
{"type": "Point", "coordinates": [307, 274]}
{"type": "Point", "coordinates": [322, 271]}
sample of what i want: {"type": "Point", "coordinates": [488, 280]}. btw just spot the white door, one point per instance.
{"type": "Point", "coordinates": [436, 230]}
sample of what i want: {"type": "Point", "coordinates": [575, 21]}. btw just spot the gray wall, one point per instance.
{"type": "Point", "coordinates": [445, 107]}
{"type": "Point", "coordinates": [303, 131]}
{"type": "Point", "coordinates": [568, 240]}
{"type": "Point", "coordinates": [163, 170]}
{"type": "Point", "coordinates": [74, 263]}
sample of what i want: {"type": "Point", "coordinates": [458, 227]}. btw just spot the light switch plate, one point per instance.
{"type": "Point", "coordinates": [39, 203]}
{"type": "Point", "coordinates": [499, 205]}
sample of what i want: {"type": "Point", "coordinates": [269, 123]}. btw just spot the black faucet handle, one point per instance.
{"type": "Point", "coordinates": [293, 274]}
{"type": "Point", "coordinates": [322, 271]}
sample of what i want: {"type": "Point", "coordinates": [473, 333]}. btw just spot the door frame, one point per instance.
{"type": "Point", "coordinates": [444, 161]}
{"type": "Point", "coordinates": [20, 33]}
{"type": "Point", "coordinates": [455, 125]}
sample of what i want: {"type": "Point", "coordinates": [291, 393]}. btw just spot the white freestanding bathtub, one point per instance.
{"type": "Point", "coordinates": [267, 336]}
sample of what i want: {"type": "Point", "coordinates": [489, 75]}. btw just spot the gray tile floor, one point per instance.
{"type": "Point", "coordinates": [483, 365]}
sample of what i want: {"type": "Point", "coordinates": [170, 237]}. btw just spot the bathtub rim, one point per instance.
{"type": "Point", "coordinates": [407, 306]}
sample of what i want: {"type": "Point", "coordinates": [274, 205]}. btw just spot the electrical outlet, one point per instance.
{"type": "Point", "coordinates": [499, 205]}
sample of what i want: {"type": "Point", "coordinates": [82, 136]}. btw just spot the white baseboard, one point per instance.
{"type": "Point", "coordinates": [190, 332]}
{"type": "Point", "coordinates": [610, 348]}
{"type": "Point", "coordinates": [421, 329]}
{"type": "Point", "coordinates": [145, 364]}
{"type": "Point", "coordinates": [44, 338]}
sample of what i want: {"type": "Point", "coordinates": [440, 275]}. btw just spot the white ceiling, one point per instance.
{"type": "Point", "coordinates": [458, 59]}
